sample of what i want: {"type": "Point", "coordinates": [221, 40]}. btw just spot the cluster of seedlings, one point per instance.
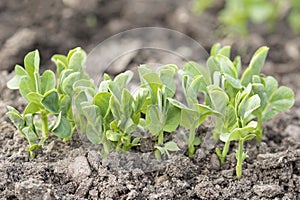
{"type": "Point", "coordinates": [110, 114]}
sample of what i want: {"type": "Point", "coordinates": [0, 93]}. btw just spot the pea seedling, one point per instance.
{"type": "Point", "coordinates": [161, 115]}
{"type": "Point", "coordinates": [238, 102]}
{"type": "Point", "coordinates": [46, 97]}
{"type": "Point", "coordinates": [244, 102]}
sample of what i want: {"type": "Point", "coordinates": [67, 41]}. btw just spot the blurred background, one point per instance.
{"type": "Point", "coordinates": [59, 25]}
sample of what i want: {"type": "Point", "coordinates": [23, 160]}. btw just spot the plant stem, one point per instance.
{"type": "Point", "coordinates": [225, 151]}
{"type": "Point", "coordinates": [259, 131]}
{"type": "Point", "coordinates": [191, 148]}
{"type": "Point", "coordinates": [160, 141]}
{"type": "Point", "coordinates": [239, 157]}
{"type": "Point", "coordinates": [45, 129]}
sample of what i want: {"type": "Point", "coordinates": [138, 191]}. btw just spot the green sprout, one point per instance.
{"type": "Point", "coordinates": [244, 100]}
{"type": "Point", "coordinates": [110, 114]}
{"type": "Point", "coordinates": [46, 97]}
{"type": "Point", "coordinates": [161, 115]}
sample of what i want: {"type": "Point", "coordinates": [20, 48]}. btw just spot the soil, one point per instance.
{"type": "Point", "coordinates": [73, 170]}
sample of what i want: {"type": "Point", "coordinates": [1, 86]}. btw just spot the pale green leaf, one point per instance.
{"type": "Point", "coordinates": [255, 66]}
{"type": "Point", "coordinates": [171, 146]}
{"type": "Point", "coordinates": [48, 81]}
{"type": "Point", "coordinates": [50, 101]}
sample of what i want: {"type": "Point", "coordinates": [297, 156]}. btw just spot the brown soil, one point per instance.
{"type": "Point", "coordinates": [72, 170]}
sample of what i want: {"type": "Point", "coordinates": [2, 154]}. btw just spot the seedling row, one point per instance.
{"type": "Point", "coordinates": [109, 114]}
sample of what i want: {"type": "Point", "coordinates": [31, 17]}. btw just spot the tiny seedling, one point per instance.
{"type": "Point", "coordinates": [111, 115]}
{"type": "Point", "coordinates": [161, 115]}
{"type": "Point", "coordinates": [193, 78]}
{"type": "Point", "coordinates": [45, 97]}
{"type": "Point", "coordinates": [245, 100]}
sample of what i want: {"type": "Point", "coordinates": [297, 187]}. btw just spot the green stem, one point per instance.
{"type": "Point", "coordinates": [191, 148]}
{"type": "Point", "coordinates": [225, 151]}
{"type": "Point", "coordinates": [45, 129]}
{"type": "Point", "coordinates": [239, 157]}
{"type": "Point", "coordinates": [259, 129]}
{"type": "Point", "coordinates": [160, 141]}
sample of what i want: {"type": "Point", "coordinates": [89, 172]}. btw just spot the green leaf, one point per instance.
{"type": "Point", "coordinates": [83, 84]}
{"type": "Point", "coordinates": [34, 97]}
{"type": "Point", "coordinates": [226, 66]}
{"type": "Point", "coordinates": [143, 69]}
{"type": "Point", "coordinates": [238, 64]}
{"type": "Point", "coordinates": [48, 81]}
{"type": "Point", "coordinates": [213, 66]}
{"type": "Point", "coordinates": [230, 118]}
{"type": "Point", "coordinates": [172, 119]}
{"type": "Point", "coordinates": [255, 66]}
{"type": "Point", "coordinates": [14, 83]}
{"type": "Point", "coordinates": [91, 112]}
{"type": "Point", "coordinates": [50, 101]}
{"type": "Point", "coordinates": [236, 83]}
{"type": "Point", "coordinates": [166, 75]}
{"type": "Point", "coordinates": [239, 133]}
{"type": "Point", "coordinates": [32, 108]}
{"type": "Point", "coordinates": [189, 118]}
{"type": "Point", "coordinates": [77, 60]}
{"type": "Point", "coordinates": [140, 99]}
{"type": "Point", "coordinates": [197, 141]}
{"type": "Point", "coordinates": [129, 126]}
{"type": "Point", "coordinates": [123, 79]}
{"type": "Point", "coordinates": [102, 101]}
{"type": "Point", "coordinates": [215, 49]}
{"type": "Point", "coordinates": [153, 82]}
{"type": "Point", "coordinates": [94, 133]}
{"type": "Point", "coordinates": [195, 69]}
{"type": "Point", "coordinates": [252, 104]}
{"type": "Point", "coordinates": [27, 85]}
{"type": "Point", "coordinates": [32, 62]}
{"type": "Point", "coordinates": [282, 99]}
{"type": "Point", "coordinates": [30, 135]}
{"type": "Point", "coordinates": [171, 146]}
{"type": "Point", "coordinates": [218, 98]}
{"type": "Point", "coordinates": [15, 117]}
{"type": "Point", "coordinates": [225, 51]}
{"type": "Point", "coordinates": [64, 104]}
{"type": "Point", "coordinates": [64, 74]}
{"type": "Point", "coordinates": [177, 104]}
{"type": "Point", "coordinates": [78, 99]}
{"type": "Point", "coordinates": [67, 83]}
{"type": "Point", "coordinates": [61, 63]}
{"type": "Point", "coordinates": [154, 120]}
{"type": "Point", "coordinates": [127, 103]}
{"type": "Point", "coordinates": [135, 141]}
{"type": "Point", "coordinates": [62, 128]}
{"type": "Point", "coordinates": [37, 80]}
{"type": "Point", "coordinates": [60, 58]}
{"type": "Point", "coordinates": [115, 108]}
{"type": "Point", "coordinates": [271, 85]}
{"type": "Point", "coordinates": [112, 136]}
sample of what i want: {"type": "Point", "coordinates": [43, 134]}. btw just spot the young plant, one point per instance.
{"type": "Point", "coordinates": [194, 114]}
{"type": "Point", "coordinates": [245, 100]}
{"type": "Point", "coordinates": [45, 98]}
{"type": "Point", "coordinates": [161, 115]}
{"type": "Point", "coordinates": [242, 127]}
{"type": "Point", "coordinates": [126, 111]}
{"type": "Point", "coordinates": [111, 115]}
